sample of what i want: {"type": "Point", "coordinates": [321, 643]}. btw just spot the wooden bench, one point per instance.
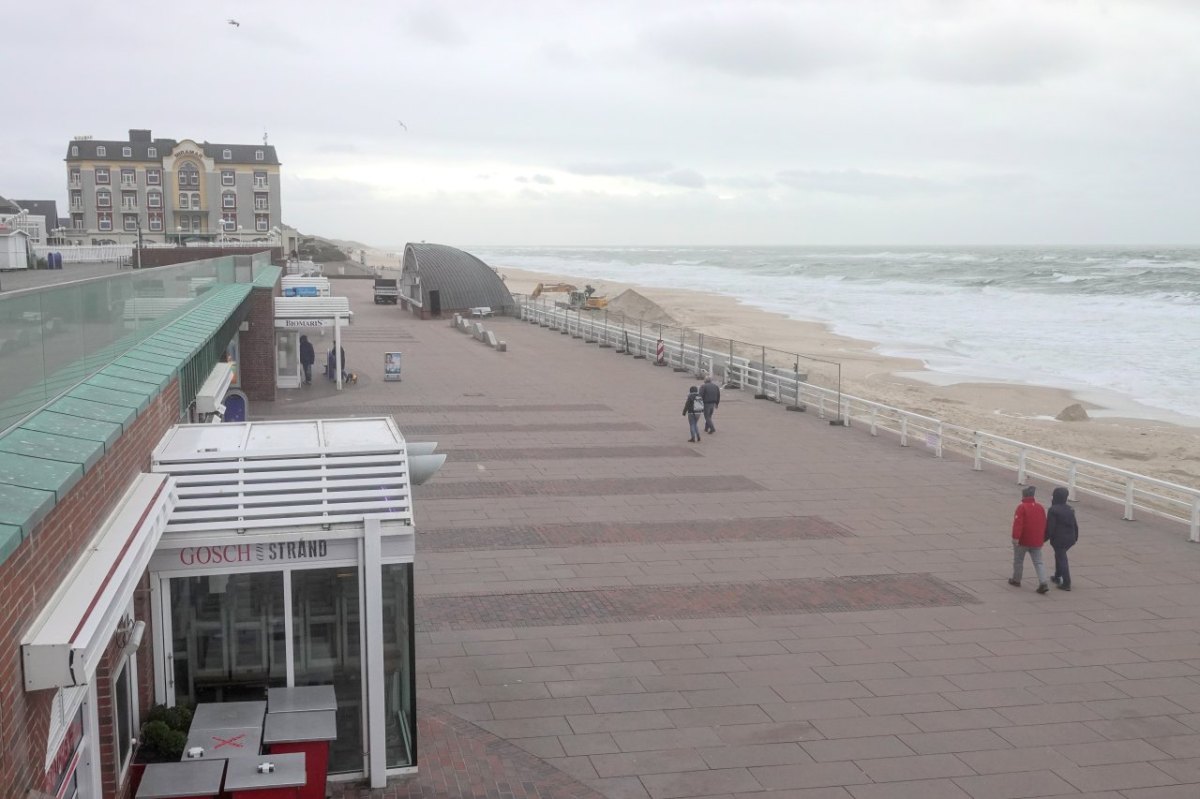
{"type": "Point", "coordinates": [482, 311]}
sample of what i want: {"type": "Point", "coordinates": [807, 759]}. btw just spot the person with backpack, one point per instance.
{"type": "Point", "coordinates": [307, 358]}
{"type": "Point", "coordinates": [1062, 531]}
{"type": "Point", "coordinates": [693, 406]}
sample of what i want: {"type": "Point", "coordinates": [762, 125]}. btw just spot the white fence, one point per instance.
{"type": "Point", "coordinates": [1134, 492]}
{"type": "Point", "coordinates": [77, 254]}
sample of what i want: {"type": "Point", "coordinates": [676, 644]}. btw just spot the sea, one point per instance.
{"type": "Point", "coordinates": [1119, 327]}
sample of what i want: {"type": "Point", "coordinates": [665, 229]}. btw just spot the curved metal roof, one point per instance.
{"type": "Point", "coordinates": [462, 280]}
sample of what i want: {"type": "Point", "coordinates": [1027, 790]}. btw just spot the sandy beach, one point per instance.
{"type": "Point", "coordinates": [1150, 446]}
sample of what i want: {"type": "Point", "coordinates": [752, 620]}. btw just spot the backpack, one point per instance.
{"type": "Point", "coordinates": [697, 403]}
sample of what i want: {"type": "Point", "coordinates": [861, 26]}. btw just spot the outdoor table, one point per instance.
{"type": "Point", "coordinates": [223, 742]}
{"type": "Point", "coordinates": [195, 780]}
{"type": "Point", "coordinates": [244, 781]}
{"type": "Point", "coordinates": [307, 731]}
{"type": "Point", "coordinates": [301, 698]}
{"type": "Point", "coordinates": [223, 715]}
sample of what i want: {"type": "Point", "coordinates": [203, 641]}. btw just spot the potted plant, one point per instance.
{"type": "Point", "coordinates": [162, 739]}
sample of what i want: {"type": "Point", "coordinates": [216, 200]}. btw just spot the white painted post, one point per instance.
{"type": "Point", "coordinates": [978, 466]}
{"type": "Point", "coordinates": [1072, 475]}
{"type": "Point", "coordinates": [1021, 468]}
{"type": "Point", "coordinates": [337, 351]}
{"type": "Point", "coordinates": [1128, 499]}
{"type": "Point", "coordinates": [371, 553]}
{"type": "Point", "coordinates": [904, 431]}
{"type": "Point", "coordinates": [937, 452]}
{"type": "Point", "coordinates": [1194, 536]}
{"type": "Point", "coordinates": [874, 421]}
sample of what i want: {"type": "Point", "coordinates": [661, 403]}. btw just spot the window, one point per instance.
{"type": "Point", "coordinates": [76, 199]}
{"type": "Point", "coordinates": [76, 178]}
{"type": "Point", "coordinates": [262, 202]}
{"type": "Point", "coordinates": [153, 177]}
{"type": "Point", "coordinates": [196, 206]}
{"type": "Point", "coordinates": [262, 222]}
{"type": "Point", "coordinates": [152, 152]}
{"type": "Point", "coordinates": [124, 712]}
{"type": "Point", "coordinates": [104, 199]}
{"type": "Point", "coordinates": [101, 151]}
{"type": "Point", "coordinates": [104, 218]}
{"type": "Point", "coordinates": [129, 199]}
{"type": "Point", "coordinates": [229, 200]}
{"type": "Point", "coordinates": [185, 223]}
{"type": "Point", "coordinates": [156, 220]}
{"type": "Point", "coordinates": [227, 176]}
{"type": "Point", "coordinates": [195, 178]}
{"type": "Point", "coordinates": [188, 175]}
{"type": "Point", "coordinates": [227, 154]}
{"type": "Point", "coordinates": [183, 199]}
{"type": "Point", "coordinates": [258, 155]}
{"type": "Point", "coordinates": [75, 150]}
{"type": "Point", "coordinates": [77, 221]}
{"type": "Point", "coordinates": [128, 177]}
{"type": "Point", "coordinates": [260, 180]}
{"type": "Point", "coordinates": [102, 174]}
{"type": "Point", "coordinates": [127, 152]}
{"type": "Point", "coordinates": [131, 222]}
{"type": "Point", "coordinates": [229, 222]}
{"type": "Point", "coordinates": [154, 199]}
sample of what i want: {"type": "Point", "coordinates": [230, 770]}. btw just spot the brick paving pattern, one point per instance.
{"type": "Point", "coordinates": [569, 535]}
{"type": "Point", "coordinates": [461, 760]}
{"type": "Point", "coordinates": [995, 693]}
{"type": "Point", "coordinates": [565, 453]}
{"type": "Point", "coordinates": [543, 427]}
{"type": "Point", "coordinates": [585, 488]}
{"type": "Point", "coordinates": [866, 592]}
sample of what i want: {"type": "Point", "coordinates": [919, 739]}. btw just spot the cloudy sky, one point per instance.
{"type": "Point", "coordinates": [646, 121]}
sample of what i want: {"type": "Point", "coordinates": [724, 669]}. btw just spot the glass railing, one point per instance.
{"type": "Point", "coordinates": [55, 337]}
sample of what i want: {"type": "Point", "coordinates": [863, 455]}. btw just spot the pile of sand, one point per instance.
{"type": "Point", "coordinates": [635, 306]}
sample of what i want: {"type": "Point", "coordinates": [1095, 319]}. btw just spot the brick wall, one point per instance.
{"type": "Point", "coordinates": [165, 256]}
{"type": "Point", "coordinates": [30, 576]}
{"type": "Point", "coordinates": [257, 368]}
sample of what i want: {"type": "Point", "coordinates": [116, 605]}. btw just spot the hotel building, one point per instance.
{"type": "Point", "coordinates": [170, 191]}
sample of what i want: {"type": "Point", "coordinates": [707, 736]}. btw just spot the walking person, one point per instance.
{"type": "Point", "coordinates": [1062, 531]}
{"type": "Point", "coordinates": [693, 406]}
{"type": "Point", "coordinates": [710, 392]}
{"type": "Point", "coordinates": [308, 356]}
{"type": "Point", "coordinates": [1028, 535]}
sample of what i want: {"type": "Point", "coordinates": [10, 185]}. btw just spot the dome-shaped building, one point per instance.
{"type": "Point", "coordinates": [438, 280]}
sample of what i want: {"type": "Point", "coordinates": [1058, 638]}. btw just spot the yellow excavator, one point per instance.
{"type": "Point", "coordinates": [577, 299]}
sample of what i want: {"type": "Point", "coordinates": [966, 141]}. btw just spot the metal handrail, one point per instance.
{"type": "Point", "coordinates": [1133, 491]}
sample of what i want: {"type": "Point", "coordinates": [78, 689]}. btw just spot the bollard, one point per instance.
{"type": "Point", "coordinates": [641, 351]}
{"type": "Point", "coordinates": [662, 351]}
{"type": "Point", "coordinates": [796, 405]}
{"type": "Point", "coordinates": [682, 350]}
{"type": "Point", "coordinates": [604, 343]}
{"type": "Point", "coordinates": [762, 376]}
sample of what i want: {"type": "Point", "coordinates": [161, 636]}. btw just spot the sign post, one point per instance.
{"type": "Point", "coordinates": [391, 366]}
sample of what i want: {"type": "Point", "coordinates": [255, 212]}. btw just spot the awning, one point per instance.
{"type": "Point", "coordinates": [308, 312]}
{"type": "Point", "coordinates": [65, 644]}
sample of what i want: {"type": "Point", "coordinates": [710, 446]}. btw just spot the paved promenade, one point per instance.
{"type": "Point", "coordinates": [787, 610]}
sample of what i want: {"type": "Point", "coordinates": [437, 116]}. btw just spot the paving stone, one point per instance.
{"type": "Point", "coordinates": [919, 789]}
{"type": "Point", "coordinates": [653, 762]}
{"type": "Point", "coordinates": [879, 746]}
{"type": "Point", "coordinates": [700, 783]}
{"type": "Point", "coordinates": [815, 775]}
{"type": "Point", "coordinates": [914, 767]}
{"type": "Point", "coordinates": [1016, 785]}
{"type": "Point", "coordinates": [771, 754]}
{"type": "Point", "coordinates": [929, 743]}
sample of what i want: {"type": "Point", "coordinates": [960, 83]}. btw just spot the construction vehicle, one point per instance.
{"type": "Point", "coordinates": [584, 299]}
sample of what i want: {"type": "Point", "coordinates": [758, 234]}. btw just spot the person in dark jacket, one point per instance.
{"type": "Point", "coordinates": [308, 357]}
{"type": "Point", "coordinates": [693, 416]}
{"type": "Point", "coordinates": [1029, 535]}
{"type": "Point", "coordinates": [1062, 531]}
{"type": "Point", "coordinates": [710, 392]}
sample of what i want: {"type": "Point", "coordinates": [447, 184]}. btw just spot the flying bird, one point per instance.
{"type": "Point", "coordinates": [402, 125]}
{"type": "Point", "coordinates": [234, 23]}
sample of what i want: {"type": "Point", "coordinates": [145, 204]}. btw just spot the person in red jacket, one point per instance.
{"type": "Point", "coordinates": [1028, 535]}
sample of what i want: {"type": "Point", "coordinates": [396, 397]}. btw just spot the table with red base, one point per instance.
{"type": "Point", "coordinates": [245, 779]}
{"type": "Point", "coordinates": [195, 780]}
{"type": "Point", "coordinates": [308, 732]}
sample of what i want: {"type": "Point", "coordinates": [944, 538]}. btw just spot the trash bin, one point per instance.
{"type": "Point", "coordinates": [194, 780]}
{"type": "Point", "coordinates": [265, 777]}
{"type": "Point", "coordinates": [308, 732]}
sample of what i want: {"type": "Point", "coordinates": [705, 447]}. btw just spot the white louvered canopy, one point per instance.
{"type": "Point", "coordinates": [288, 474]}
{"type": "Point", "coordinates": [318, 311]}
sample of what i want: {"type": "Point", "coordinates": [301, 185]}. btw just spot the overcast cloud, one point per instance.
{"type": "Point", "coordinates": [689, 122]}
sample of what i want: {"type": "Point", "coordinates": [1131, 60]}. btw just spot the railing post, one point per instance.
{"type": "Point", "coordinates": [1072, 477]}
{"type": "Point", "coordinates": [937, 451]}
{"type": "Point", "coordinates": [844, 415]}
{"type": "Point", "coordinates": [978, 465]}
{"type": "Point", "coordinates": [682, 367]}
{"type": "Point", "coordinates": [796, 405]}
{"type": "Point", "coordinates": [604, 342]}
{"type": "Point", "coordinates": [700, 373]}
{"type": "Point", "coordinates": [904, 431]}
{"type": "Point", "coordinates": [874, 421]}
{"type": "Point", "coordinates": [641, 350]}
{"type": "Point", "coordinates": [1128, 499]}
{"type": "Point", "coordinates": [1021, 468]}
{"type": "Point", "coordinates": [821, 407]}
{"type": "Point", "coordinates": [1194, 535]}
{"type": "Point", "coordinates": [762, 376]}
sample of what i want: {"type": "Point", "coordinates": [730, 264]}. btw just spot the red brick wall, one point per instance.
{"type": "Point", "coordinates": [257, 368]}
{"type": "Point", "coordinates": [31, 574]}
{"type": "Point", "coordinates": [165, 256]}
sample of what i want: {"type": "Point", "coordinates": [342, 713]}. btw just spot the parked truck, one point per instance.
{"type": "Point", "coordinates": [386, 290]}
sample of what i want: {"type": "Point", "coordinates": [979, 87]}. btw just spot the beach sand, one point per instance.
{"type": "Point", "coordinates": [1022, 412]}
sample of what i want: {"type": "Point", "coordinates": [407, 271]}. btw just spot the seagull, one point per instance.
{"type": "Point", "coordinates": [402, 125]}
{"type": "Point", "coordinates": [234, 23]}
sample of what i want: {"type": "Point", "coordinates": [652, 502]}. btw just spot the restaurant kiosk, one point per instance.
{"type": "Point", "coordinates": [286, 563]}
{"type": "Point", "coordinates": [311, 316]}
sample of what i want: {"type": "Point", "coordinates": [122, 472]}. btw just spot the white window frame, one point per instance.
{"type": "Point", "coordinates": [258, 155]}
{"type": "Point", "coordinates": [102, 223]}
{"type": "Point", "coordinates": [153, 177]}
{"type": "Point", "coordinates": [228, 225]}
{"type": "Point", "coordinates": [104, 193]}
{"type": "Point", "coordinates": [126, 668]}
{"type": "Point", "coordinates": [152, 152]}
{"type": "Point", "coordinates": [103, 170]}
{"type": "Point", "coordinates": [156, 222]}
{"type": "Point", "coordinates": [75, 150]}
{"type": "Point", "coordinates": [127, 152]}
{"type": "Point", "coordinates": [229, 200]}
{"type": "Point", "coordinates": [228, 173]}
{"type": "Point", "coordinates": [227, 154]}
{"type": "Point", "coordinates": [126, 219]}
{"type": "Point", "coordinates": [262, 222]}
{"type": "Point", "coordinates": [260, 180]}
{"type": "Point", "coordinates": [101, 151]}
{"type": "Point", "coordinates": [124, 198]}
{"type": "Point", "coordinates": [196, 203]}
{"type": "Point", "coordinates": [132, 175]}
{"type": "Point", "coordinates": [183, 200]}
{"type": "Point", "coordinates": [154, 199]}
